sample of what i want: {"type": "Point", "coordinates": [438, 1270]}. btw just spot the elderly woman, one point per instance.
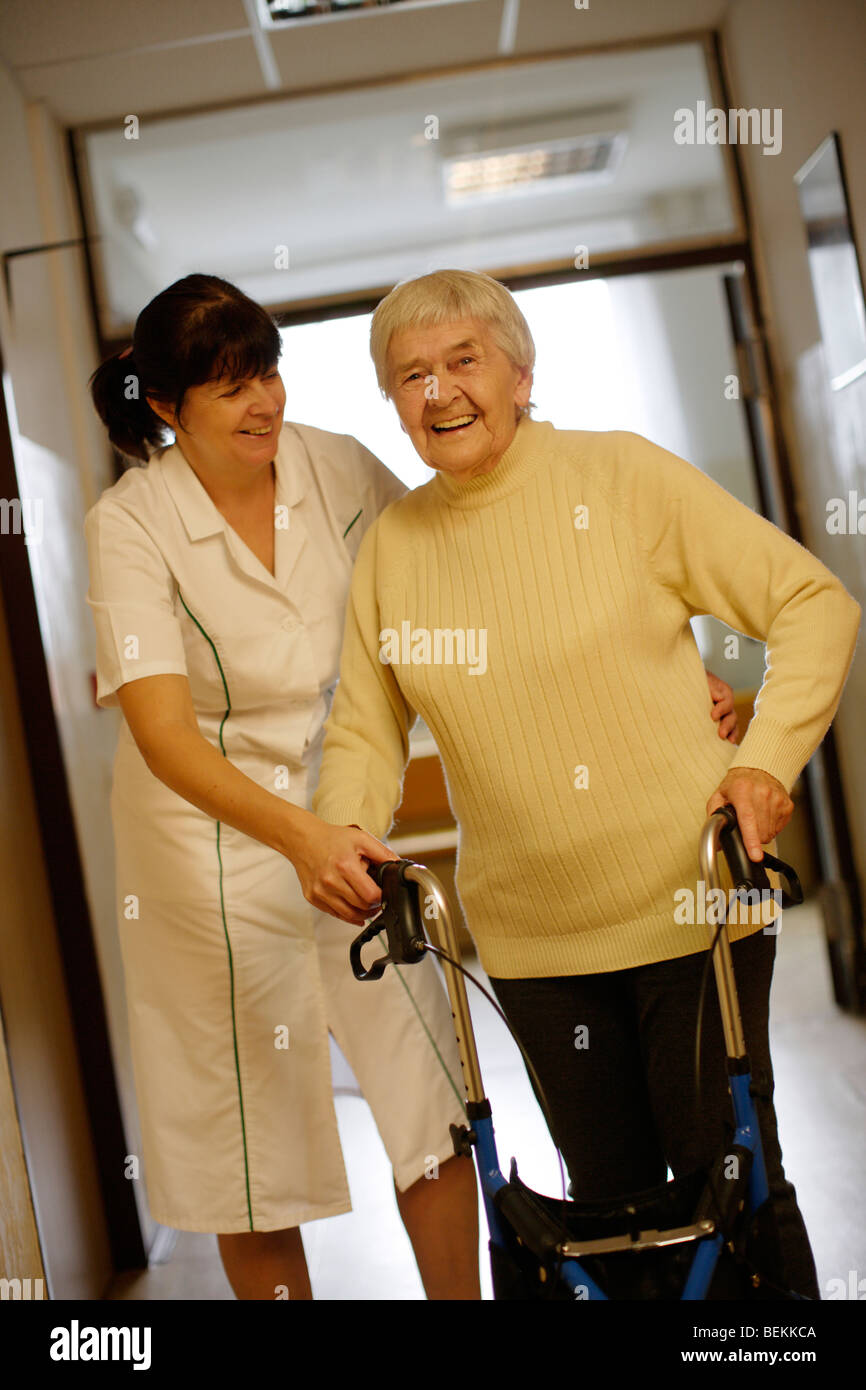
{"type": "Point", "coordinates": [560, 570]}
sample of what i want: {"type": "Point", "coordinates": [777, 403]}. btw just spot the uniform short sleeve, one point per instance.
{"type": "Point", "coordinates": [382, 486]}
{"type": "Point", "coordinates": [131, 596]}
{"type": "Point", "coordinates": [377, 488]}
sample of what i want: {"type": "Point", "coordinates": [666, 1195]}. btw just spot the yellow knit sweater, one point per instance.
{"type": "Point", "coordinates": [561, 584]}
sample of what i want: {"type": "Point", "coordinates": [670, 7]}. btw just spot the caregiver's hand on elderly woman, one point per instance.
{"type": "Point", "coordinates": [762, 805]}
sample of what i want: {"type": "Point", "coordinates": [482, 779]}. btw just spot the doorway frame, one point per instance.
{"type": "Point", "coordinates": [774, 480]}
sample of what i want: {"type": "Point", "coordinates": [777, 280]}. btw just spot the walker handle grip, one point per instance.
{"type": "Point", "coordinates": [400, 918]}
{"type": "Point", "coordinates": [377, 968]}
{"type": "Point", "coordinates": [745, 872]}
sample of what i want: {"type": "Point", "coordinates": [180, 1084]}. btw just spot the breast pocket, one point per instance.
{"type": "Point", "coordinates": [322, 587]}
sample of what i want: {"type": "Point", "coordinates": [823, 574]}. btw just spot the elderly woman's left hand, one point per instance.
{"type": "Point", "coordinates": [762, 805]}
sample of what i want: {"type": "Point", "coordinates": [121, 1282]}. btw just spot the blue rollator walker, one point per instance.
{"type": "Point", "coordinates": [700, 1236]}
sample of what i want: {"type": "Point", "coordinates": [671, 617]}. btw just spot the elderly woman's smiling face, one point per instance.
{"type": "Point", "coordinates": [457, 394]}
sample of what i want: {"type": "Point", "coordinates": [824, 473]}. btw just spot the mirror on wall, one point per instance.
{"type": "Point", "coordinates": [833, 263]}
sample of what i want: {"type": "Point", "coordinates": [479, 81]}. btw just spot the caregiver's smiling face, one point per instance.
{"type": "Point", "coordinates": [229, 425]}
{"type": "Point", "coordinates": [457, 394]}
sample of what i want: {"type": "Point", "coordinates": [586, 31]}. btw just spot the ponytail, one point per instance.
{"type": "Point", "coordinates": [133, 428]}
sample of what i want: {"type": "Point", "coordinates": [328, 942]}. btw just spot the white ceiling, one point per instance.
{"type": "Point", "coordinates": [94, 60]}
{"type": "Point", "coordinates": [329, 156]}
{"type": "Point", "coordinates": [349, 183]}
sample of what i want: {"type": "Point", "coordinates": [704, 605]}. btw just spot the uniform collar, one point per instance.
{"type": "Point", "coordinates": [198, 512]}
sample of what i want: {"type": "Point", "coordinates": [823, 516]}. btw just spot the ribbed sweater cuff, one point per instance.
{"type": "Point", "coordinates": [351, 812]}
{"type": "Point", "coordinates": [774, 748]}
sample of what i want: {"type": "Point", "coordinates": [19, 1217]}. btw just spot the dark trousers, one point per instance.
{"type": "Point", "coordinates": [615, 1054]}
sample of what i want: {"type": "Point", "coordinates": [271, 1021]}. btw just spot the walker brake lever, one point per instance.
{"type": "Point", "coordinates": [400, 919]}
{"type": "Point", "coordinates": [749, 875]}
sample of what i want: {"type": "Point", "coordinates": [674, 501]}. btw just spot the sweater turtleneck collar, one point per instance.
{"type": "Point", "coordinates": [511, 472]}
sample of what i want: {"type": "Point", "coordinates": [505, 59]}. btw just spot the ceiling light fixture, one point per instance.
{"type": "Point", "coordinates": [276, 14]}
{"type": "Point", "coordinates": [555, 153]}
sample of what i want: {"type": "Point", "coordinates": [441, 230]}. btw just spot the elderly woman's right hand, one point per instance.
{"type": "Point", "coordinates": [331, 863]}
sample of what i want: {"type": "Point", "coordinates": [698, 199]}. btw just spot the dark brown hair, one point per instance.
{"type": "Point", "coordinates": [198, 329]}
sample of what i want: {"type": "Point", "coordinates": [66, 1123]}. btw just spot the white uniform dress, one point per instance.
{"type": "Point", "coordinates": [232, 979]}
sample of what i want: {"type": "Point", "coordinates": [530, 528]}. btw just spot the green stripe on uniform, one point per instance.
{"type": "Point", "coordinates": [460, 1099]}
{"type": "Point", "coordinates": [223, 914]}
{"type": "Point", "coordinates": [351, 524]}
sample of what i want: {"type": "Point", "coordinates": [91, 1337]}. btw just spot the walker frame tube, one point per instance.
{"type": "Point", "coordinates": [745, 1115]}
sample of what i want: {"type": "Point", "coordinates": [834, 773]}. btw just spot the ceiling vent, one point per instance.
{"type": "Point", "coordinates": [276, 14]}
{"type": "Point", "coordinates": [534, 156]}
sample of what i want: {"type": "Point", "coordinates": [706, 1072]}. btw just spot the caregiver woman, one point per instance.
{"type": "Point", "coordinates": [581, 556]}
{"type": "Point", "coordinates": [218, 581]}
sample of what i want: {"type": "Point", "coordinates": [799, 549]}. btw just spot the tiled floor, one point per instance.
{"type": "Point", "coordinates": [820, 1066]}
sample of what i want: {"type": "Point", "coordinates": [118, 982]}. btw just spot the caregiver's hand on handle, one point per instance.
{"type": "Point", "coordinates": [331, 863]}
{"type": "Point", "coordinates": [330, 860]}
{"type": "Point", "coordinates": [762, 805]}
